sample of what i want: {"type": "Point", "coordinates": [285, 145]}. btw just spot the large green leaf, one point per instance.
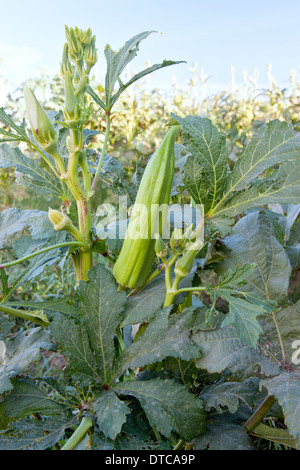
{"type": "Point", "coordinates": [168, 406]}
{"type": "Point", "coordinates": [165, 336]}
{"type": "Point", "coordinates": [221, 349]}
{"type": "Point", "coordinates": [282, 187]}
{"type": "Point", "coordinates": [286, 389]}
{"type": "Point", "coordinates": [116, 63]}
{"type": "Point", "coordinates": [274, 143]}
{"type": "Point", "coordinates": [281, 331]}
{"type": "Point", "coordinates": [205, 170]}
{"type": "Point", "coordinates": [243, 308]}
{"type": "Point", "coordinates": [29, 434]}
{"type": "Point", "coordinates": [26, 398]}
{"type": "Point", "coordinates": [229, 395]}
{"type": "Point", "coordinates": [224, 432]}
{"type": "Point", "coordinates": [35, 177]}
{"type": "Point", "coordinates": [20, 351]}
{"type": "Point", "coordinates": [13, 221]}
{"type": "Point", "coordinates": [101, 307]}
{"type": "Point", "coordinates": [74, 343]}
{"type": "Point", "coordinates": [110, 413]}
{"type": "Point", "coordinates": [253, 241]}
{"type": "Point", "coordinates": [89, 341]}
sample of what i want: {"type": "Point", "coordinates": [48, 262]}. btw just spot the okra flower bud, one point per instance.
{"type": "Point", "coordinates": [61, 221]}
{"type": "Point", "coordinates": [83, 36]}
{"type": "Point", "coordinates": [65, 66]}
{"type": "Point", "coordinates": [75, 47]}
{"type": "Point", "coordinates": [41, 125]}
{"type": "Point", "coordinates": [90, 55]}
{"type": "Point", "coordinates": [160, 247]}
{"type": "Point", "coordinates": [185, 264]}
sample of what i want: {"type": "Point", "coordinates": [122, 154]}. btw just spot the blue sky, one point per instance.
{"type": "Point", "coordinates": [216, 34]}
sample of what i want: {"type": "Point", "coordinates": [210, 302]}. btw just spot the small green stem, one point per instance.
{"type": "Point", "coordinates": [36, 253]}
{"type": "Point", "coordinates": [190, 289]}
{"type": "Point", "coordinates": [179, 444]}
{"type": "Point", "coordinates": [260, 413]}
{"type": "Point", "coordinates": [85, 425]}
{"type": "Point", "coordinates": [24, 314]}
{"type": "Point", "coordinates": [107, 131]}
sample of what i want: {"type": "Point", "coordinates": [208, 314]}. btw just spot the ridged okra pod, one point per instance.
{"type": "Point", "coordinates": [148, 216]}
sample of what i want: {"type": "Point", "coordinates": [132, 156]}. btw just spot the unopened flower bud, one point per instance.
{"type": "Point", "coordinates": [65, 66]}
{"type": "Point", "coordinates": [185, 264]}
{"type": "Point", "coordinates": [41, 125]}
{"type": "Point", "coordinates": [160, 247]}
{"type": "Point", "coordinates": [59, 220]}
{"type": "Point", "coordinates": [75, 47]}
{"type": "Point", "coordinates": [90, 55]}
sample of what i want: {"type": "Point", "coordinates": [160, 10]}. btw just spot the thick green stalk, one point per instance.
{"type": "Point", "coordinates": [85, 425]}
{"type": "Point", "coordinates": [260, 413]}
{"type": "Point", "coordinates": [83, 202]}
{"type": "Point", "coordinates": [102, 152]}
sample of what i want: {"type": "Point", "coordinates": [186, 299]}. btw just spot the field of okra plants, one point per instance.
{"type": "Point", "coordinates": [152, 305]}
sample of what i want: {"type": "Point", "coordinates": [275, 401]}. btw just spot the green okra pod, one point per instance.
{"type": "Point", "coordinates": [148, 216]}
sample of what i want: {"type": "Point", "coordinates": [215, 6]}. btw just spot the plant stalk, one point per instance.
{"type": "Point", "coordinates": [85, 425]}
{"type": "Point", "coordinates": [260, 413]}
{"type": "Point", "coordinates": [107, 131]}
{"type": "Point", "coordinates": [39, 252]}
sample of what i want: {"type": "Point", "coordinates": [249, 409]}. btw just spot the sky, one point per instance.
{"type": "Point", "coordinates": [215, 34]}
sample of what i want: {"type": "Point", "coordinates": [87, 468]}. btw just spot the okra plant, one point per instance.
{"type": "Point", "coordinates": [186, 341]}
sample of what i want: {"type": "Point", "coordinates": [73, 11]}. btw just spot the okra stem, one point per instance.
{"type": "Point", "coordinates": [107, 131]}
{"type": "Point", "coordinates": [85, 425]}
{"type": "Point", "coordinates": [44, 250]}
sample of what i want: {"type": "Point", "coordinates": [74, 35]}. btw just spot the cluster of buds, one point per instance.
{"type": "Point", "coordinates": [178, 239]}
{"type": "Point", "coordinates": [79, 56]}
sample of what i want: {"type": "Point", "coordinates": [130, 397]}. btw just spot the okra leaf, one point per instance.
{"type": "Point", "coordinates": [224, 432]}
{"type": "Point", "coordinates": [110, 413]}
{"type": "Point", "coordinates": [136, 435]}
{"type": "Point", "coordinates": [6, 119]}
{"type": "Point", "coordinates": [221, 349]}
{"type": "Point", "coordinates": [243, 309]}
{"type": "Point", "coordinates": [101, 308]}
{"type": "Point", "coordinates": [229, 395]}
{"type": "Point", "coordinates": [13, 221]}
{"type": "Point", "coordinates": [165, 336]}
{"type": "Point", "coordinates": [274, 143]}
{"type": "Point", "coordinates": [143, 73]}
{"type": "Point", "coordinates": [253, 241]}
{"type": "Point", "coordinates": [34, 176]}
{"type": "Point", "coordinates": [293, 245]}
{"type": "Point", "coordinates": [20, 351]}
{"type": "Point", "coordinates": [286, 389]}
{"type": "Point", "coordinates": [89, 340]}
{"type": "Point", "coordinates": [28, 434]}
{"type": "Point", "coordinates": [168, 405]}
{"type": "Point", "coordinates": [281, 332]}
{"type": "Point", "coordinates": [143, 306]}
{"type": "Point", "coordinates": [282, 188]}
{"type": "Point", "coordinates": [205, 170]}
{"type": "Point", "coordinates": [27, 398]}
{"type": "Point", "coordinates": [117, 61]}
{"type": "Point", "coordinates": [73, 341]}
